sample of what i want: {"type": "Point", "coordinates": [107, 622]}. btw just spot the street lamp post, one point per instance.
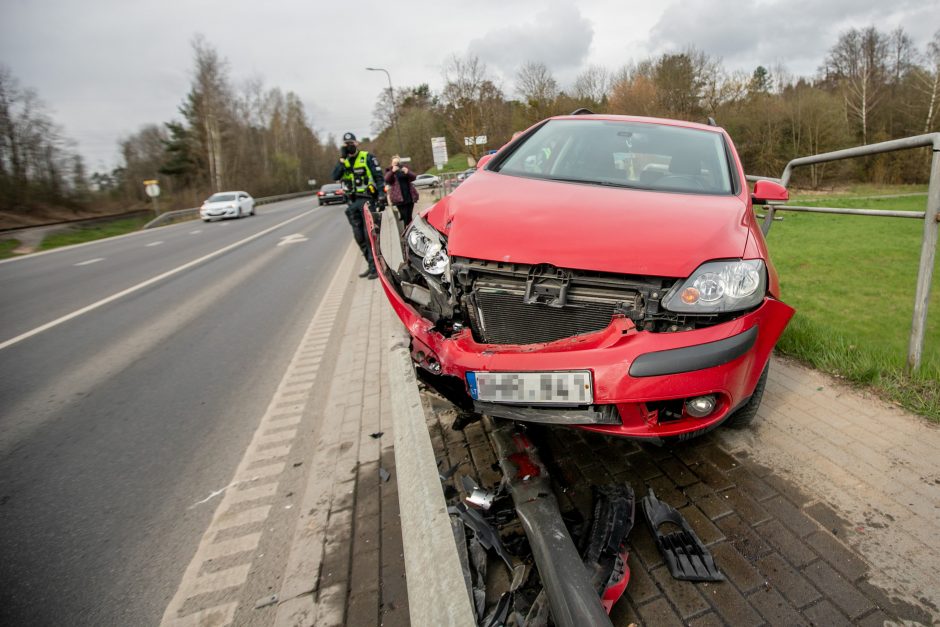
{"type": "Point", "coordinates": [391, 94]}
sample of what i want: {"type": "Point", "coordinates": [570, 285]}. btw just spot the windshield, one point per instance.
{"type": "Point", "coordinates": [624, 154]}
{"type": "Point", "coordinates": [221, 198]}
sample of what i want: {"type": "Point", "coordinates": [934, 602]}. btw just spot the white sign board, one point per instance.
{"type": "Point", "coordinates": [479, 140]}
{"type": "Point", "coordinates": [311, 182]}
{"type": "Point", "coordinates": [153, 190]}
{"type": "Point", "coordinates": [439, 150]}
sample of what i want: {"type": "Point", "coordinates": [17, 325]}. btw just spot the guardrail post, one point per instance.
{"type": "Point", "coordinates": [927, 254]}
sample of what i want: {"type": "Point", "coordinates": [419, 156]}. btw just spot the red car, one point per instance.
{"type": "Point", "coordinates": [601, 272]}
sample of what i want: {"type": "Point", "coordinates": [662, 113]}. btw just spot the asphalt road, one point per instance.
{"type": "Point", "coordinates": [114, 423]}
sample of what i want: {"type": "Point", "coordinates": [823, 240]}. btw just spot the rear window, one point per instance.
{"type": "Point", "coordinates": [331, 187]}
{"type": "Point", "coordinates": [624, 154]}
{"type": "Point", "coordinates": [221, 198]}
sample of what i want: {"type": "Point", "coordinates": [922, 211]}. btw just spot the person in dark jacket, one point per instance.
{"type": "Point", "coordinates": [401, 190]}
{"type": "Point", "coordinates": [360, 174]}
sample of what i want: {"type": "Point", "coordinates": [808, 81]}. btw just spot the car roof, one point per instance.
{"type": "Point", "coordinates": [234, 191]}
{"type": "Point", "coordinates": [642, 119]}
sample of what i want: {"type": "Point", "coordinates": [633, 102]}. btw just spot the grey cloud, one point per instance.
{"type": "Point", "coordinates": [558, 36]}
{"type": "Point", "coordinates": [745, 34]}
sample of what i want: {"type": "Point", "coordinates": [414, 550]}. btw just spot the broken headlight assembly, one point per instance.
{"type": "Point", "coordinates": [429, 245]}
{"type": "Point", "coordinates": [718, 287]}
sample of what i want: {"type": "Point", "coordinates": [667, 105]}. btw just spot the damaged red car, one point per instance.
{"type": "Point", "coordinates": [601, 272]}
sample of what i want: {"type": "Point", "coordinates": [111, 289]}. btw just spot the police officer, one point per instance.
{"type": "Point", "coordinates": [362, 178]}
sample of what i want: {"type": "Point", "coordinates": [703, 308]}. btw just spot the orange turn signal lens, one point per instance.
{"type": "Point", "coordinates": [690, 295]}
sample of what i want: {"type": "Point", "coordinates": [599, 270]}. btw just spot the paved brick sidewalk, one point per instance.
{"type": "Point", "coordinates": [346, 565]}
{"type": "Point", "coordinates": [823, 514]}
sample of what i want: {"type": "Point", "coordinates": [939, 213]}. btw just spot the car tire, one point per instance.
{"type": "Point", "coordinates": [745, 414]}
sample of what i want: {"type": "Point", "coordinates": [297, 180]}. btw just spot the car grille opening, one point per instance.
{"type": "Point", "coordinates": [503, 318]}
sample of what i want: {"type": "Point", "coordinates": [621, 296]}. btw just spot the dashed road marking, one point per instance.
{"type": "Point", "coordinates": [248, 499]}
{"type": "Point", "coordinates": [89, 262]}
{"type": "Point", "coordinates": [157, 243]}
{"type": "Point", "coordinates": [195, 232]}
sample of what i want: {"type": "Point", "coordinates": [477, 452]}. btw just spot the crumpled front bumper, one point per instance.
{"type": "Point", "coordinates": [630, 369]}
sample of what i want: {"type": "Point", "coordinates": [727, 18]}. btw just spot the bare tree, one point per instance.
{"type": "Point", "coordinates": [538, 89]}
{"type": "Point", "coordinates": [209, 106]}
{"type": "Point", "coordinates": [857, 65]}
{"type": "Point", "coordinates": [592, 85]}
{"type": "Point", "coordinates": [927, 81]}
{"type": "Point", "coordinates": [470, 100]}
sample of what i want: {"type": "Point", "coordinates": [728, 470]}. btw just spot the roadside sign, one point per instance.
{"type": "Point", "coordinates": [479, 140]}
{"type": "Point", "coordinates": [152, 188]}
{"type": "Point", "coordinates": [439, 150]}
{"type": "Point", "coordinates": [312, 182]}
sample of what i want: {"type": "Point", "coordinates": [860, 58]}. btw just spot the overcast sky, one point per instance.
{"type": "Point", "coordinates": [107, 67]}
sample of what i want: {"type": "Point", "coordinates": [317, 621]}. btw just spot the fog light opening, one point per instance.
{"type": "Point", "coordinates": [434, 365]}
{"type": "Point", "coordinates": [701, 406]}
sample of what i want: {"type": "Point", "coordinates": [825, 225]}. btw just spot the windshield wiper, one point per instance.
{"type": "Point", "coordinates": [591, 182]}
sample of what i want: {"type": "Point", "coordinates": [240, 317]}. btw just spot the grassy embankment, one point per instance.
{"type": "Point", "coordinates": [7, 246]}
{"type": "Point", "coordinates": [852, 281]}
{"type": "Point", "coordinates": [93, 232]}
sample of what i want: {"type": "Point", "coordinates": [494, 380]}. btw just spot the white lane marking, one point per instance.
{"type": "Point", "coordinates": [89, 262]}
{"type": "Point", "coordinates": [228, 578]}
{"type": "Point", "coordinates": [292, 239]}
{"type": "Point", "coordinates": [157, 243]}
{"type": "Point", "coordinates": [195, 232]}
{"type": "Point", "coordinates": [243, 489]}
{"type": "Point", "coordinates": [148, 282]}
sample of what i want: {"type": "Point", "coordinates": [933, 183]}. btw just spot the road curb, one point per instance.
{"type": "Point", "coordinates": [435, 578]}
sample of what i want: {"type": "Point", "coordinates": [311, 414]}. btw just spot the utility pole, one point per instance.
{"type": "Point", "coordinates": [391, 95]}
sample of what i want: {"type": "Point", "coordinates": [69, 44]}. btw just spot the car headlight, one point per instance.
{"type": "Point", "coordinates": [720, 286]}
{"type": "Point", "coordinates": [428, 244]}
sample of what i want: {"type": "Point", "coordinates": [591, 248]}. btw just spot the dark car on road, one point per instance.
{"type": "Point", "coordinates": [331, 193]}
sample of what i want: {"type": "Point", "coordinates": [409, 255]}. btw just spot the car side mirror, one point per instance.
{"type": "Point", "coordinates": [769, 193]}
{"type": "Point", "coordinates": [483, 161]}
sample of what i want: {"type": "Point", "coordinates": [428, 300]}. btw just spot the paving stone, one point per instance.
{"type": "Point", "coordinates": [875, 619]}
{"type": "Point", "coordinates": [794, 519]}
{"type": "Point", "coordinates": [642, 544]}
{"type": "Point", "coordinates": [658, 612]}
{"type": "Point", "coordinates": [742, 537]}
{"type": "Point", "coordinates": [715, 505]}
{"type": "Point", "coordinates": [737, 569]}
{"type": "Point", "coordinates": [842, 559]}
{"type": "Point", "coordinates": [786, 543]}
{"type": "Point", "coordinates": [751, 484]}
{"type": "Point", "coordinates": [711, 476]}
{"type": "Point", "coordinates": [775, 609]}
{"type": "Point", "coordinates": [796, 588]}
{"type": "Point", "coordinates": [745, 507]}
{"type": "Point", "coordinates": [644, 466]}
{"type": "Point", "coordinates": [825, 614]}
{"type": "Point", "coordinates": [667, 491]}
{"type": "Point", "coordinates": [718, 457]}
{"type": "Point", "coordinates": [680, 474]}
{"type": "Point", "coordinates": [898, 609]}
{"type": "Point", "coordinates": [641, 587]}
{"type": "Point", "coordinates": [838, 590]}
{"type": "Point", "coordinates": [362, 578]}
{"type": "Point", "coordinates": [703, 527]}
{"type": "Point", "coordinates": [728, 602]}
{"type": "Point", "coordinates": [827, 517]}
{"type": "Point", "coordinates": [786, 488]}
{"type": "Point", "coordinates": [707, 620]}
{"type": "Point", "coordinates": [623, 613]}
{"type": "Point", "coordinates": [697, 490]}
{"type": "Point", "coordinates": [683, 595]}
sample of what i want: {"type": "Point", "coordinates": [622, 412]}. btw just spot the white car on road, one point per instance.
{"type": "Point", "coordinates": [227, 205]}
{"type": "Point", "coordinates": [427, 180]}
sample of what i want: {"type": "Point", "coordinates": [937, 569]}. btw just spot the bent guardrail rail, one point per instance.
{"type": "Point", "coordinates": [931, 218]}
{"type": "Point", "coordinates": [171, 216]}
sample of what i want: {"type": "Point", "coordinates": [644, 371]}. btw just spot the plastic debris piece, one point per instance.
{"type": "Point", "coordinates": [476, 496]}
{"type": "Point", "coordinates": [383, 474]}
{"type": "Point", "coordinates": [447, 474]}
{"type": "Point", "coordinates": [376, 435]}
{"type": "Point", "coordinates": [501, 612]}
{"type": "Point", "coordinates": [685, 555]}
{"type": "Point", "coordinates": [265, 601]}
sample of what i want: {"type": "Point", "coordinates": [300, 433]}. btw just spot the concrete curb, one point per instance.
{"type": "Point", "coordinates": [436, 587]}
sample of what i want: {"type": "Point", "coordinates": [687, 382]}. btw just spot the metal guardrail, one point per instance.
{"type": "Point", "coordinates": [172, 216]}
{"type": "Point", "coordinates": [931, 218]}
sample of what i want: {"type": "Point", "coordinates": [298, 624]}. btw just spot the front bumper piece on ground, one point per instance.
{"type": "Point", "coordinates": [634, 372]}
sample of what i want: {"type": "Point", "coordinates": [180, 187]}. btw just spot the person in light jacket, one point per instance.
{"type": "Point", "coordinates": [401, 190]}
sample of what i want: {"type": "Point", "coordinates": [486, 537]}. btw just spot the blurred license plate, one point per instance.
{"type": "Point", "coordinates": [561, 388]}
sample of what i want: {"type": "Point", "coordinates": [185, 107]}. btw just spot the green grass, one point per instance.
{"type": "Point", "coordinates": [852, 280]}
{"type": "Point", "coordinates": [7, 247]}
{"type": "Point", "coordinates": [93, 232]}
{"type": "Point", "coordinates": [457, 163]}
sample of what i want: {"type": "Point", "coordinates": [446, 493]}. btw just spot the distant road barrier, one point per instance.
{"type": "Point", "coordinates": [186, 214]}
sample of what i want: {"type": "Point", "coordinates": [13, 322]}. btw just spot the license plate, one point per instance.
{"type": "Point", "coordinates": [571, 387]}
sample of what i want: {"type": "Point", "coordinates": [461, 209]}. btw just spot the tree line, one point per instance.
{"type": "Point", "coordinates": [871, 86]}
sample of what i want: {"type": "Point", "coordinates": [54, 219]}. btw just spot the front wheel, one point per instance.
{"type": "Point", "coordinates": [745, 414]}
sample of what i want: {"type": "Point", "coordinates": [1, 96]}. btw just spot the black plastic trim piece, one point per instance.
{"type": "Point", "coordinates": [685, 555]}
{"type": "Point", "coordinates": [678, 360]}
